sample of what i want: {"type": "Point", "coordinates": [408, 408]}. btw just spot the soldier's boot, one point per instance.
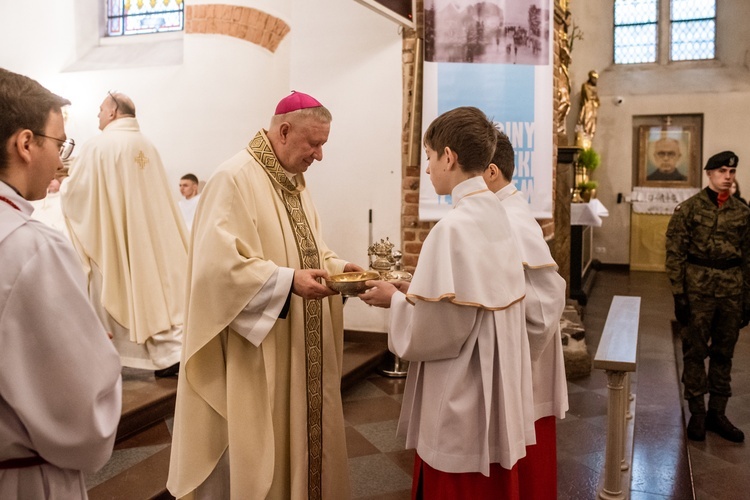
{"type": "Point", "coordinates": [717, 421]}
{"type": "Point", "coordinates": [696, 429]}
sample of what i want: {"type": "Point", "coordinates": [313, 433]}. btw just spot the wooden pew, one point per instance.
{"type": "Point", "coordinates": [616, 355]}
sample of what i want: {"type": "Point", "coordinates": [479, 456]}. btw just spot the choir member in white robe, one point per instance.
{"type": "Point", "coordinates": [131, 239]}
{"type": "Point", "coordinates": [467, 406]}
{"type": "Point", "coordinates": [60, 385]}
{"type": "Point", "coordinates": [544, 304]}
{"type": "Point", "coordinates": [259, 411]}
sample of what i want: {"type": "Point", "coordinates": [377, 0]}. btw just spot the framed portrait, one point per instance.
{"type": "Point", "coordinates": [669, 155]}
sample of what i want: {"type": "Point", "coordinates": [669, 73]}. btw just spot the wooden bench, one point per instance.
{"type": "Point", "coordinates": [616, 355]}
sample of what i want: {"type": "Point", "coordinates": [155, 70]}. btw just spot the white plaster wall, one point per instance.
{"type": "Point", "coordinates": [720, 90]}
{"type": "Point", "coordinates": [353, 65]}
{"type": "Point", "coordinates": [211, 93]}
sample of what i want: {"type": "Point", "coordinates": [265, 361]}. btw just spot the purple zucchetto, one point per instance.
{"type": "Point", "coordinates": [295, 101]}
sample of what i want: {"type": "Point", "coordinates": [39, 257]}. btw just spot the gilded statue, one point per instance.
{"type": "Point", "coordinates": [589, 106]}
{"type": "Point", "coordinates": [563, 84]}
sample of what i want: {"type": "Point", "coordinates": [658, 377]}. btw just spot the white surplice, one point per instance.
{"type": "Point", "coordinates": [187, 207]}
{"type": "Point", "coordinates": [132, 242]}
{"type": "Point", "coordinates": [60, 384]}
{"type": "Point", "coordinates": [467, 401]}
{"type": "Point", "coordinates": [544, 304]}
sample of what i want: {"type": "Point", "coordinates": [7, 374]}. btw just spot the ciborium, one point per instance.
{"type": "Point", "coordinates": [387, 261]}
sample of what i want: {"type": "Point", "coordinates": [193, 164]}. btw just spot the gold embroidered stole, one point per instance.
{"type": "Point", "coordinates": [260, 148]}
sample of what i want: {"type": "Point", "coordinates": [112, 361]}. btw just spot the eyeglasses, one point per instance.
{"type": "Point", "coordinates": [111, 93]}
{"type": "Point", "coordinates": [666, 154]}
{"type": "Point", "coordinates": [66, 145]}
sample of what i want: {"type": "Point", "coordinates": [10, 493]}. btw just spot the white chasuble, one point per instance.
{"type": "Point", "coordinates": [125, 222]}
{"type": "Point", "coordinates": [269, 398]}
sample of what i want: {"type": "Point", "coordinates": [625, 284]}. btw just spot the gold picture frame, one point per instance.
{"type": "Point", "coordinates": [669, 155]}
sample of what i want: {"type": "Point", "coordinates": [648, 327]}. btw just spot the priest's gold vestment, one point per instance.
{"type": "Point", "coordinates": [251, 398]}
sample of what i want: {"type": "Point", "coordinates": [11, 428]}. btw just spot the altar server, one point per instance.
{"type": "Point", "coordinates": [467, 406]}
{"type": "Point", "coordinates": [544, 304]}
{"type": "Point", "coordinates": [60, 385]}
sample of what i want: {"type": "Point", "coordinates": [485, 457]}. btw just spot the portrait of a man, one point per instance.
{"type": "Point", "coordinates": [666, 157]}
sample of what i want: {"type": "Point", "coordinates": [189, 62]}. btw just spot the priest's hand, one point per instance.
{"type": "Point", "coordinates": [379, 295]}
{"type": "Point", "coordinates": [352, 268]}
{"type": "Point", "coordinates": [307, 286]}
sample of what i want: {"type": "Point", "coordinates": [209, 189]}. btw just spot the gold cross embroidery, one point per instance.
{"type": "Point", "coordinates": [141, 160]}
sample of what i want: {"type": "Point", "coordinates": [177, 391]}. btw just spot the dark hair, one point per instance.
{"type": "Point", "coordinates": [468, 132]}
{"type": "Point", "coordinates": [504, 157]}
{"type": "Point", "coordinates": [24, 104]}
{"type": "Point", "coordinates": [189, 177]}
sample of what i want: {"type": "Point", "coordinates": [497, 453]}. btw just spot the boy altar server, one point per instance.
{"type": "Point", "coordinates": [467, 406]}
{"type": "Point", "coordinates": [544, 304]}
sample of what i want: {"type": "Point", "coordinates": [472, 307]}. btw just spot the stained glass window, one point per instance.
{"type": "Point", "coordinates": [691, 33]}
{"type": "Point", "coordinates": [127, 17]}
{"type": "Point", "coordinates": [693, 30]}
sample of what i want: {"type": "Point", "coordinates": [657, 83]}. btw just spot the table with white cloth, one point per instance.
{"type": "Point", "coordinates": [583, 218]}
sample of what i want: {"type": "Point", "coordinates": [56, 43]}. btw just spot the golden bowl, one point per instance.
{"type": "Point", "coordinates": [351, 284]}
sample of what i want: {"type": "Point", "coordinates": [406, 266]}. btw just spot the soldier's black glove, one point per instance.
{"type": "Point", "coordinates": [682, 308]}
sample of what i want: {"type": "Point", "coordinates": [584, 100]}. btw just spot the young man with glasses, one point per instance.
{"type": "Point", "coordinates": [130, 235]}
{"type": "Point", "coordinates": [60, 385]}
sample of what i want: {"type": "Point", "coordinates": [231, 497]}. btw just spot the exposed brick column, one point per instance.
{"type": "Point", "coordinates": [413, 232]}
{"type": "Point", "coordinates": [245, 23]}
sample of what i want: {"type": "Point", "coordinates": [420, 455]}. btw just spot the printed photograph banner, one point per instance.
{"type": "Point", "coordinates": [495, 56]}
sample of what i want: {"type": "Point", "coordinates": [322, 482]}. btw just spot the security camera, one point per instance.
{"type": "Point", "coordinates": [618, 100]}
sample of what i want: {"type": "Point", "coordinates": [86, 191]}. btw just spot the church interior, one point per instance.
{"type": "Point", "coordinates": [203, 91]}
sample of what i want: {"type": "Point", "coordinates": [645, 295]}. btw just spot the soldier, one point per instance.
{"type": "Point", "coordinates": [708, 264]}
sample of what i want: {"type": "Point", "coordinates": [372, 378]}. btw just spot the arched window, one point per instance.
{"type": "Point", "coordinates": [126, 17]}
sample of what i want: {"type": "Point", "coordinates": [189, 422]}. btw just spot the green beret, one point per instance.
{"type": "Point", "coordinates": [723, 159]}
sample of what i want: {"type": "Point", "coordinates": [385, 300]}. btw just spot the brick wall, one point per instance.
{"type": "Point", "coordinates": [245, 23]}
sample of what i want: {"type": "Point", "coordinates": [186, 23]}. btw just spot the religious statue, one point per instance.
{"type": "Point", "coordinates": [563, 84]}
{"type": "Point", "coordinates": [589, 106]}
{"type": "Point", "coordinates": [568, 34]}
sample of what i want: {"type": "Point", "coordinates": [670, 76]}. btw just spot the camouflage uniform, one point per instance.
{"type": "Point", "coordinates": [708, 258]}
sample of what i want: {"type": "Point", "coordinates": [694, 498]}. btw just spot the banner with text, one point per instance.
{"type": "Point", "coordinates": [496, 56]}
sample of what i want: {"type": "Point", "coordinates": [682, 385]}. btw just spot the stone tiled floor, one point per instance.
{"type": "Point", "coordinates": [661, 463]}
{"type": "Point", "coordinates": [380, 468]}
